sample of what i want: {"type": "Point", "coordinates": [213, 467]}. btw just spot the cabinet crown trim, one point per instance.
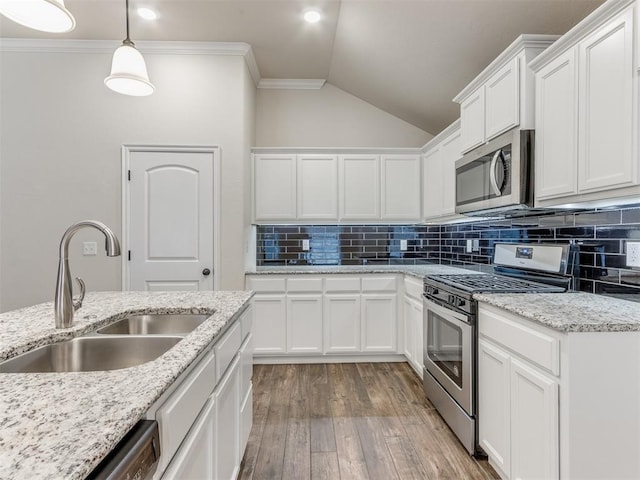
{"type": "Point", "coordinates": [598, 17]}
{"type": "Point", "coordinates": [335, 151]}
{"type": "Point", "coordinates": [519, 44]}
{"type": "Point", "coordinates": [443, 135]}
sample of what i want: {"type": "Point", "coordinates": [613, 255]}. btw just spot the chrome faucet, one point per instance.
{"type": "Point", "coordinates": [65, 305]}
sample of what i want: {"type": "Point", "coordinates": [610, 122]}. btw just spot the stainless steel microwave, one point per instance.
{"type": "Point", "coordinates": [497, 177]}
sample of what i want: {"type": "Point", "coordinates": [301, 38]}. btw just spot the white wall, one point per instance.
{"type": "Point", "coordinates": [60, 160]}
{"type": "Point", "coordinates": [328, 117]}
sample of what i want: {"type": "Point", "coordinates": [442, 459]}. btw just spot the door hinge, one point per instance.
{"type": "Point", "coordinates": [129, 175]}
{"type": "Point", "coordinates": [129, 255]}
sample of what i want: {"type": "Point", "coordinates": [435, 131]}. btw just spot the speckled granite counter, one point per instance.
{"type": "Point", "coordinates": [570, 312]}
{"type": "Point", "coordinates": [418, 271]}
{"type": "Point", "coordinates": [60, 425]}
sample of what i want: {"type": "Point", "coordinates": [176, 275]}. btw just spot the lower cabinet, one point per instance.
{"type": "Point", "coordinates": [413, 333]}
{"type": "Point", "coordinates": [205, 421]}
{"type": "Point", "coordinates": [379, 323]}
{"type": "Point", "coordinates": [518, 404]}
{"type": "Point", "coordinates": [304, 323]}
{"type": "Point", "coordinates": [270, 327]}
{"type": "Point", "coordinates": [341, 323]}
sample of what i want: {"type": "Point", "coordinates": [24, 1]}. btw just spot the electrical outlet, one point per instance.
{"type": "Point", "coordinates": [403, 245]}
{"type": "Point", "coordinates": [89, 248]}
{"type": "Point", "coordinates": [633, 254]}
{"type": "Point", "coordinates": [469, 248]}
{"type": "Point", "coordinates": [305, 245]}
{"type": "Point", "coordinates": [475, 245]}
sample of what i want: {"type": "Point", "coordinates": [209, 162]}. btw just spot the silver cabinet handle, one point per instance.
{"type": "Point", "coordinates": [492, 174]}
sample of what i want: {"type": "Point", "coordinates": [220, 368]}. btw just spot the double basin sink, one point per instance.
{"type": "Point", "coordinates": [129, 342]}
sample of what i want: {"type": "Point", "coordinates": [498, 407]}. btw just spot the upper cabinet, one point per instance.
{"type": "Point", "coordinates": [337, 186]}
{"type": "Point", "coordinates": [501, 97]}
{"type": "Point", "coordinates": [438, 175]}
{"type": "Point", "coordinates": [586, 127]}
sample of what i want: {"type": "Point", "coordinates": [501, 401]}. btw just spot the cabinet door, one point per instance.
{"type": "Point", "coordinates": [317, 187]}
{"type": "Point", "coordinates": [502, 104]}
{"type": "Point", "coordinates": [557, 128]}
{"type": "Point", "coordinates": [194, 459]}
{"type": "Point", "coordinates": [227, 425]}
{"type": "Point", "coordinates": [269, 323]}
{"type": "Point", "coordinates": [409, 328]}
{"type": "Point", "coordinates": [341, 323]}
{"type": "Point", "coordinates": [379, 332]}
{"type": "Point", "coordinates": [418, 340]}
{"type": "Point", "coordinates": [304, 323]}
{"type": "Point", "coordinates": [494, 404]}
{"type": "Point", "coordinates": [359, 184]}
{"type": "Point", "coordinates": [472, 121]}
{"type": "Point", "coordinates": [400, 198]}
{"type": "Point", "coordinates": [450, 152]}
{"type": "Point", "coordinates": [534, 423]}
{"type": "Point", "coordinates": [274, 187]}
{"type": "Point", "coordinates": [606, 107]}
{"type": "Point", "coordinates": [433, 186]}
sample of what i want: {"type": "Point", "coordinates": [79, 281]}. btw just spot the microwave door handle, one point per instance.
{"type": "Point", "coordinates": [492, 174]}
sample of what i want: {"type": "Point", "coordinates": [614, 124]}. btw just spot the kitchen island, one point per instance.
{"type": "Point", "coordinates": [61, 425]}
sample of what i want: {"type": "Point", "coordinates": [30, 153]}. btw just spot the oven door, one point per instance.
{"type": "Point", "coordinates": [448, 352]}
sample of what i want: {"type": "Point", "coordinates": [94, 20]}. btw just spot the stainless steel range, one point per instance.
{"type": "Point", "coordinates": [450, 338]}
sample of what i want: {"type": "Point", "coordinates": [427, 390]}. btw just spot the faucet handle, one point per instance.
{"type": "Point", "coordinates": [78, 303]}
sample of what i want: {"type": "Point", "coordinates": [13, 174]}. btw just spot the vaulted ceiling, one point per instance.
{"type": "Point", "coordinates": [407, 57]}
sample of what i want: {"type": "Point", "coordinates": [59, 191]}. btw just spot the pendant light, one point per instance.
{"type": "Point", "coordinates": [44, 15]}
{"type": "Point", "coordinates": [128, 71]}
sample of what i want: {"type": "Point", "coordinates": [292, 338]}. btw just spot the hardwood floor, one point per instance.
{"type": "Point", "coordinates": [350, 421]}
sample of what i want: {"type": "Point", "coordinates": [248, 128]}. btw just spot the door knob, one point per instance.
{"type": "Point", "coordinates": [206, 272]}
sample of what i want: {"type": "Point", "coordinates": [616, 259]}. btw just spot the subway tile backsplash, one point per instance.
{"type": "Point", "coordinates": [601, 235]}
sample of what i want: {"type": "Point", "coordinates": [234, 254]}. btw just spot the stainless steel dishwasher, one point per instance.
{"type": "Point", "coordinates": [135, 457]}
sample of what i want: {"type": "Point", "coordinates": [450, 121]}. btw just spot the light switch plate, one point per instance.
{"type": "Point", "coordinates": [89, 248]}
{"type": "Point", "coordinates": [633, 254]}
{"type": "Point", "coordinates": [403, 245]}
{"type": "Point", "coordinates": [305, 245]}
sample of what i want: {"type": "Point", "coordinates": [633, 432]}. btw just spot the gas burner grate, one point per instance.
{"type": "Point", "coordinates": [492, 283]}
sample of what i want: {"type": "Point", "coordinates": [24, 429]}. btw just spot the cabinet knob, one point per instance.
{"type": "Point", "coordinates": [206, 272]}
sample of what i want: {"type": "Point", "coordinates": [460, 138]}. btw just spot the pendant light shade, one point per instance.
{"type": "Point", "coordinates": [128, 70]}
{"type": "Point", "coordinates": [45, 15]}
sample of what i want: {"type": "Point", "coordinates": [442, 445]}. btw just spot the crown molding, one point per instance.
{"type": "Point", "coordinates": [598, 17]}
{"type": "Point", "coordinates": [30, 45]}
{"type": "Point", "coordinates": [518, 45]}
{"type": "Point", "coordinates": [435, 141]}
{"type": "Point", "coordinates": [292, 83]}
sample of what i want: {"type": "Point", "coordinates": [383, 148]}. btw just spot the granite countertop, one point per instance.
{"type": "Point", "coordinates": [418, 271]}
{"type": "Point", "coordinates": [570, 312]}
{"type": "Point", "coordinates": [60, 425]}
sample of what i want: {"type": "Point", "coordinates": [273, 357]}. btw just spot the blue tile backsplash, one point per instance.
{"type": "Point", "coordinates": [601, 235]}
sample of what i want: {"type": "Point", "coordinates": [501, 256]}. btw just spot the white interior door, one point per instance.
{"type": "Point", "coordinates": [170, 218]}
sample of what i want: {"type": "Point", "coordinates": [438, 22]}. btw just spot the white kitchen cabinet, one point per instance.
{"type": "Point", "coordinates": [606, 82]}
{"type": "Point", "coordinates": [359, 183]}
{"type": "Point", "coordinates": [274, 187]}
{"type": "Point", "coordinates": [501, 97]}
{"type": "Point", "coordinates": [400, 182]}
{"type": "Point", "coordinates": [304, 323]}
{"type": "Point", "coordinates": [586, 121]}
{"type": "Point", "coordinates": [227, 424]}
{"type": "Point", "coordinates": [194, 459]}
{"type": "Point", "coordinates": [494, 405]}
{"type": "Point", "coordinates": [433, 183]}
{"type": "Point", "coordinates": [317, 187]}
{"type": "Point", "coordinates": [270, 323]}
{"type": "Point", "coordinates": [413, 331]}
{"type": "Point", "coordinates": [534, 423]}
{"type": "Point", "coordinates": [342, 322]}
{"type": "Point", "coordinates": [379, 329]}
{"type": "Point", "coordinates": [556, 140]}
{"type": "Point", "coordinates": [246, 390]}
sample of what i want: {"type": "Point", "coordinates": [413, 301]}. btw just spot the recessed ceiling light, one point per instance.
{"type": "Point", "coordinates": [312, 16]}
{"type": "Point", "coordinates": [147, 13]}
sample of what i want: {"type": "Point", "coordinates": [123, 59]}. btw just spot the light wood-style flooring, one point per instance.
{"type": "Point", "coordinates": [350, 421]}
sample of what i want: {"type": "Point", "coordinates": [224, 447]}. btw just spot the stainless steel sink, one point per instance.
{"type": "Point", "coordinates": [156, 324]}
{"type": "Point", "coordinates": [87, 354]}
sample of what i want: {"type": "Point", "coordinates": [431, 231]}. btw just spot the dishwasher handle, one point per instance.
{"type": "Point", "coordinates": [135, 457]}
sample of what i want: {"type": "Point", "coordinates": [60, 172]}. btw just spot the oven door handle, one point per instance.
{"type": "Point", "coordinates": [455, 317]}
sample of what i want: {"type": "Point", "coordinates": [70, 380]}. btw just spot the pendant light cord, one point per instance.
{"type": "Point", "coordinates": [127, 41]}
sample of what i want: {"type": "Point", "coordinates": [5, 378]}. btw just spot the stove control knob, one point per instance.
{"type": "Point", "coordinates": [461, 302]}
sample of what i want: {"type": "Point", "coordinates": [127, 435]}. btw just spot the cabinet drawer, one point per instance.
{"type": "Point", "coordinates": [304, 285]}
{"type": "Point", "coordinates": [178, 413]}
{"type": "Point", "coordinates": [346, 284]}
{"type": "Point", "coordinates": [379, 284]}
{"type": "Point", "coordinates": [227, 348]}
{"type": "Point", "coordinates": [413, 288]}
{"type": "Point", "coordinates": [267, 284]}
{"type": "Point", "coordinates": [532, 344]}
{"type": "Point", "coordinates": [246, 321]}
